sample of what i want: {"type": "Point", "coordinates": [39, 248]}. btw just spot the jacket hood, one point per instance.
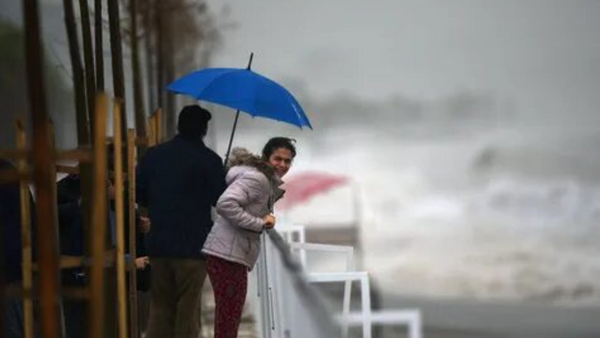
{"type": "Point", "coordinates": [242, 157]}
{"type": "Point", "coordinates": [239, 161]}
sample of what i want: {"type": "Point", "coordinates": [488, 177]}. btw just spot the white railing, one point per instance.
{"type": "Point", "coordinates": [348, 252]}
{"type": "Point", "coordinates": [286, 305]}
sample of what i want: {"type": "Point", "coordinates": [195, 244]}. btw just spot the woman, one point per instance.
{"type": "Point", "coordinates": [244, 210]}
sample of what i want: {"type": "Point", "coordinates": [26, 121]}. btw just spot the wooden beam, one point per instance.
{"type": "Point", "coordinates": [17, 291]}
{"type": "Point", "coordinates": [14, 154]}
{"type": "Point", "coordinates": [151, 131]}
{"type": "Point", "coordinates": [99, 219]}
{"type": "Point", "coordinates": [13, 175]}
{"type": "Point", "coordinates": [133, 313]}
{"type": "Point", "coordinates": [70, 262]}
{"type": "Point", "coordinates": [47, 241]}
{"type": "Point", "coordinates": [65, 169]}
{"type": "Point", "coordinates": [120, 217]}
{"type": "Point", "coordinates": [77, 154]}
{"type": "Point", "coordinates": [66, 262]}
{"type": "Point", "coordinates": [158, 126]}
{"type": "Point", "coordinates": [141, 141]}
{"type": "Point", "coordinates": [26, 265]}
{"type": "Point", "coordinates": [75, 292]}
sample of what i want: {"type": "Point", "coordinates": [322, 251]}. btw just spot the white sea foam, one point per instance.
{"type": "Point", "coordinates": [434, 224]}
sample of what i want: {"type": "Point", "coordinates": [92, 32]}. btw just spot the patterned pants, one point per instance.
{"type": "Point", "coordinates": [230, 283]}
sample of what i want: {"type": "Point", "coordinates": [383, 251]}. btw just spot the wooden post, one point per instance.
{"type": "Point", "coordinates": [88, 56]}
{"type": "Point", "coordinates": [52, 134]}
{"type": "Point", "coordinates": [151, 132]}
{"type": "Point", "coordinates": [99, 42]}
{"type": "Point", "coordinates": [54, 215]}
{"type": "Point", "coordinates": [25, 235]}
{"type": "Point", "coordinates": [83, 116]}
{"type": "Point", "coordinates": [133, 316]}
{"type": "Point", "coordinates": [159, 50]}
{"type": "Point", "coordinates": [2, 279]}
{"type": "Point", "coordinates": [114, 22]}
{"type": "Point", "coordinates": [149, 29]}
{"type": "Point", "coordinates": [120, 215]}
{"type": "Point", "coordinates": [158, 126]}
{"type": "Point", "coordinates": [42, 162]}
{"type": "Point", "coordinates": [99, 219]}
{"type": "Point", "coordinates": [138, 98]}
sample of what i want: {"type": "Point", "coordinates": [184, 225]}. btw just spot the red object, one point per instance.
{"type": "Point", "coordinates": [304, 186]}
{"type": "Point", "coordinates": [230, 285]}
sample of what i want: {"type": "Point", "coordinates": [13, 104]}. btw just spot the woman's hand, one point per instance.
{"type": "Point", "coordinates": [269, 221]}
{"type": "Point", "coordinates": [142, 262]}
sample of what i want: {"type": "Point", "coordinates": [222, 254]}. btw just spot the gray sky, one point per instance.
{"type": "Point", "coordinates": [542, 55]}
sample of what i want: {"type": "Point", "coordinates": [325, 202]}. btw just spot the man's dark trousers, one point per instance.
{"type": "Point", "coordinates": [176, 294]}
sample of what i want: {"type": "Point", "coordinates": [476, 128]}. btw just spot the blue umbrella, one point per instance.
{"type": "Point", "coordinates": [244, 90]}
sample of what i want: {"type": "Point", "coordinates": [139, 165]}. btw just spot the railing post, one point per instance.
{"type": "Point", "coordinates": [266, 308]}
{"type": "Point", "coordinates": [366, 306]}
{"type": "Point", "coordinates": [274, 290]}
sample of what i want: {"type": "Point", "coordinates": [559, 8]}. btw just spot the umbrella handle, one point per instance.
{"type": "Point", "coordinates": [237, 115]}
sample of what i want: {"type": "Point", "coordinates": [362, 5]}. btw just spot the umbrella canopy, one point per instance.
{"type": "Point", "coordinates": [305, 186]}
{"type": "Point", "coordinates": [245, 90]}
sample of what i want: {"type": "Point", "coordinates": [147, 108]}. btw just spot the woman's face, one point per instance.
{"type": "Point", "coordinates": [281, 160]}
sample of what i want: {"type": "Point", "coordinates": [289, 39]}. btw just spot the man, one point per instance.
{"type": "Point", "coordinates": [178, 181]}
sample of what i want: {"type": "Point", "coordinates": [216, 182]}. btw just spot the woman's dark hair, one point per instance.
{"type": "Point", "coordinates": [276, 143]}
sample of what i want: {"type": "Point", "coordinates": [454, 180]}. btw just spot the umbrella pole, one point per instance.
{"type": "Point", "coordinates": [237, 116]}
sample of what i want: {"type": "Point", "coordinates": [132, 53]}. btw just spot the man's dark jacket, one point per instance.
{"type": "Point", "coordinates": [178, 181]}
{"type": "Point", "coordinates": [10, 225]}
